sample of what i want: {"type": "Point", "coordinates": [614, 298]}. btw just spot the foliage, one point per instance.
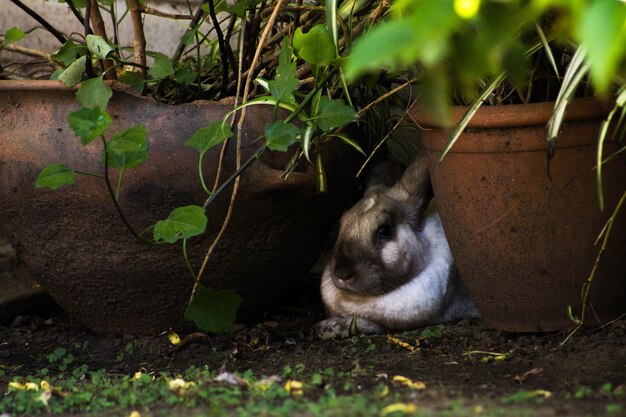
{"type": "Point", "coordinates": [305, 78]}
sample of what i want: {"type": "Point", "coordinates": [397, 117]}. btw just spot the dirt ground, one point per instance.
{"type": "Point", "coordinates": [463, 361]}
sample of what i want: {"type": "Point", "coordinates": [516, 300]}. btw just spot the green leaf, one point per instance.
{"type": "Point", "coordinates": [128, 149]}
{"type": "Point", "coordinates": [185, 76]}
{"type": "Point", "coordinates": [13, 35]}
{"type": "Point", "coordinates": [134, 79]}
{"type": "Point", "coordinates": [279, 136]}
{"type": "Point", "coordinates": [98, 46]}
{"type": "Point", "coordinates": [316, 46]}
{"type": "Point", "coordinates": [94, 93]}
{"type": "Point", "coordinates": [182, 223]}
{"type": "Point", "coordinates": [214, 134]}
{"type": "Point", "coordinates": [55, 176]}
{"type": "Point", "coordinates": [162, 66]}
{"type": "Point", "coordinates": [69, 52]}
{"type": "Point", "coordinates": [74, 73]}
{"type": "Point", "coordinates": [603, 33]}
{"type": "Point", "coordinates": [285, 81]}
{"type": "Point", "coordinates": [334, 113]}
{"type": "Point", "coordinates": [213, 311]}
{"type": "Point", "coordinates": [88, 124]}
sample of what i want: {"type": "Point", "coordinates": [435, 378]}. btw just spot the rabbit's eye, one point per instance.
{"type": "Point", "coordinates": [384, 232]}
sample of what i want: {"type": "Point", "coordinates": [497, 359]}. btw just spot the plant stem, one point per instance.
{"type": "Point", "coordinates": [88, 64]}
{"type": "Point", "coordinates": [90, 174]}
{"type": "Point", "coordinates": [188, 262]}
{"type": "Point", "coordinates": [222, 48]}
{"type": "Point", "coordinates": [139, 41]}
{"type": "Point", "coordinates": [235, 175]}
{"type": "Point", "coordinates": [107, 180]}
{"type": "Point", "coordinates": [197, 17]}
{"type": "Point", "coordinates": [201, 175]}
{"type": "Point", "coordinates": [75, 11]}
{"type": "Point", "coordinates": [55, 32]}
{"type": "Point", "coordinates": [100, 30]}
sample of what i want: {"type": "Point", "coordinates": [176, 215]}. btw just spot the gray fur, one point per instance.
{"type": "Point", "coordinates": [391, 266]}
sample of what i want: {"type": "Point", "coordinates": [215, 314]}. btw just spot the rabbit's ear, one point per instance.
{"type": "Point", "coordinates": [415, 185]}
{"type": "Point", "coordinates": [384, 174]}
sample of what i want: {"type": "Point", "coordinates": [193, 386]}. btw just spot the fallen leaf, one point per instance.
{"type": "Point", "coordinates": [173, 338]}
{"type": "Point", "coordinates": [416, 385]}
{"type": "Point", "coordinates": [231, 378]}
{"type": "Point", "coordinates": [399, 408]}
{"type": "Point", "coordinates": [402, 344]}
{"type": "Point", "coordinates": [294, 388]}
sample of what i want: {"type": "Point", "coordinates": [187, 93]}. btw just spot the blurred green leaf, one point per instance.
{"type": "Point", "coordinates": [162, 67]}
{"type": "Point", "coordinates": [214, 134]}
{"type": "Point", "coordinates": [88, 124]}
{"type": "Point", "coordinates": [279, 136]}
{"type": "Point", "coordinates": [69, 52]}
{"type": "Point", "coordinates": [13, 35]}
{"type": "Point", "coordinates": [55, 176]}
{"type": "Point", "coordinates": [315, 47]}
{"type": "Point", "coordinates": [94, 93]}
{"type": "Point", "coordinates": [128, 149]}
{"type": "Point", "coordinates": [182, 223]}
{"type": "Point", "coordinates": [334, 113]}
{"type": "Point", "coordinates": [603, 33]}
{"type": "Point", "coordinates": [213, 311]}
{"type": "Point", "coordinates": [134, 79]}
{"type": "Point", "coordinates": [98, 46]}
{"type": "Point", "coordinates": [74, 73]}
{"type": "Point", "coordinates": [185, 75]}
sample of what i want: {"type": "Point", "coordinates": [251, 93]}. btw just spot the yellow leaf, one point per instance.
{"type": "Point", "coordinates": [31, 386]}
{"type": "Point", "coordinates": [137, 375]}
{"type": "Point", "coordinates": [134, 413]}
{"type": "Point", "coordinates": [44, 385]}
{"type": "Point", "coordinates": [416, 385]}
{"type": "Point", "coordinates": [466, 9]}
{"type": "Point", "coordinates": [294, 388]}
{"type": "Point", "coordinates": [179, 386]}
{"type": "Point", "coordinates": [402, 343]}
{"type": "Point", "coordinates": [399, 408]}
{"type": "Point", "coordinates": [174, 338]}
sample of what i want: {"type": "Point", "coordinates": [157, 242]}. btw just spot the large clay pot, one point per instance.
{"type": "Point", "coordinates": [75, 244]}
{"type": "Point", "coordinates": [521, 230]}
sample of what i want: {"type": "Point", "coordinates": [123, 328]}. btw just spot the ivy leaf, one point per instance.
{"type": "Point", "coordinates": [94, 93]}
{"type": "Point", "coordinates": [213, 311]}
{"type": "Point", "coordinates": [13, 35]}
{"type": "Point", "coordinates": [134, 79]}
{"type": "Point", "coordinates": [182, 223]}
{"type": "Point", "coordinates": [279, 136]}
{"type": "Point", "coordinates": [316, 46]}
{"type": "Point", "coordinates": [334, 113]}
{"type": "Point", "coordinates": [128, 149]}
{"type": "Point", "coordinates": [74, 73]}
{"type": "Point", "coordinates": [185, 76]}
{"type": "Point", "coordinates": [55, 176]}
{"type": "Point", "coordinates": [285, 81]}
{"type": "Point", "coordinates": [69, 52]}
{"type": "Point", "coordinates": [214, 134]}
{"type": "Point", "coordinates": [98, 46]}
{"type": "Point", "coordinates": [162, 67]}
{"type": "Point", "coordinates": [88, 124]}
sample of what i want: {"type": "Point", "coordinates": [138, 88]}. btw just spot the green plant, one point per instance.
{"type": "Point", "coordinates": [302, 60]}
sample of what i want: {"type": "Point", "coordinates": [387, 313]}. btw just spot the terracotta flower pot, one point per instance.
{"type": "Point", "coordinates": [75, 244]}
{"type": "Point", "coordinates": [522, 233]}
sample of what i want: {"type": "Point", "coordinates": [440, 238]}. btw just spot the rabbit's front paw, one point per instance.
{"type": "Point", "coordinates": [345, 327]}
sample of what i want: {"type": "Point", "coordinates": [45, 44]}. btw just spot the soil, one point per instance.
{"type": "Point", "coordinates": [463, 361]}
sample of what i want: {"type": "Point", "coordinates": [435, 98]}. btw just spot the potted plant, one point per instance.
{"type": "Point", "coordinates": [521, 206]}
{"type": "Point", "coordinates": [150, 172]}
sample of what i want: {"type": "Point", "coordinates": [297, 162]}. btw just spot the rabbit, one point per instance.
{"type": "Point", "coordinates": [391, 267]}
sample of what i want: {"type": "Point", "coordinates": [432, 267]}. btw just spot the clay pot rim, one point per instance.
{"type": "Point", "coordinates": [515, 115]}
